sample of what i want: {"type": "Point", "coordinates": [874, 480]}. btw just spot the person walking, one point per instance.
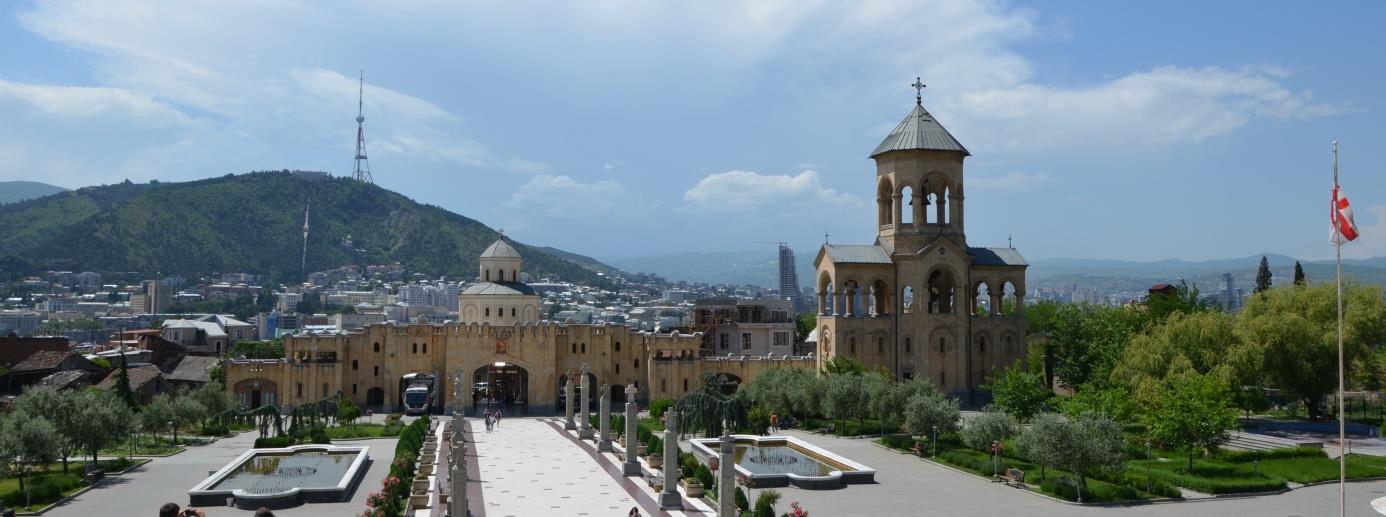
{"type": "Point", "coordinates": [774, 423]}
{"type": "Point", "coordinates": [498, 417]}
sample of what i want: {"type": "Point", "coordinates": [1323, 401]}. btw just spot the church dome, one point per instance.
{"type": "Point", "coordinates": [499, 288]}
{"type": "Point", "coordinates": [919, 131]}
{"type": "Point", "coordinates": [500, 249]}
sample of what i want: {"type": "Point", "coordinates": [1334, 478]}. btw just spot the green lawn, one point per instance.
{"type": "Point", "coordinates": [1209, 475]}
{"type": "Point", "coordinates": [359, 431]}
{"type": "Point", "coordinates": [1313, 470]}
{"type": "Point", "coordinates": [146, 446]}
{"type": "Point", "coordinates": [1056, 482]}
{"type": "Point", "coordinates": [47, 486]}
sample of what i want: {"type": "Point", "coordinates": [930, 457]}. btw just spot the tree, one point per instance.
{"type": "Point", "coordinates": [886, 400]}
{"type": "Point", "coordinates": [926, 412]}
{"type": "Point", "coordinates": [708, 409]}
{"type": "Point", "coordinates": [845, 397]}
{"type": "Point", "coordinates": [1045, 441]}
{"type": "Point", "coordinates": [122, 384]}
{"type": "Point", "coordinates": [1263, 276]}
{"type": "Point", "coordinates": [186, 410]}
{"type": "Point", "coordinates": [1098, 447]}
{"type": "Point", "coordinates": [157, 414]}
{"type": "Point", "coordinates": [104, 420]}
{"type": "Point", "coordinates": [804, 324]}
{"type": "Point", "coordinates": [1203, 342]}
{"type": "Point", "coordinates": [1294, 333]}
{"type": "Point", "coordinates": [28, 441]}
{"type": "Point", "coordinates": [214, 399]}
{"type": "Point", "coordinates": [805, 391]}
{"type": "Point", "coordinates": [348, 412]}
{"type": "Point", "coordinates": [1101, 398]}
{"type": "Point", "coordinates": [1195, 411]}
{"type": "Point", "coordinates": [58, 408]}
{"type": "Point", "coordinates": [1019, 393]}
{"type": "Point", "coordinates": [1299, 274]}
{"type": "Point", "coordinates": [990, 426]}
{"type": "Point", "coordinates": [1087, 340]}
{"type": "Point", "coordinates": [1184, 300]}
{"type": "Point", "coordinates": [843, 365]}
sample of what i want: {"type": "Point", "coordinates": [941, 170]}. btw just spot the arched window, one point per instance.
{"type": "Point", "coordinates": [353, 389]}
{"type": "Point", "coordinates": [982, 344]}
{"type": "Point", "coordinates": [574, 348]}
{"type": "Point", "coordinates": [584, 348]}
{"type": "Point", "coordinates": [907, 345]}
{"type": "Point", "coordinates": [416, 349]}
{"type": "Point", "coordinates": [618, 346]}
{"type": "Point", "coordinates": [353, 364]}
{"type": "Point", "coordinates": [512, 312]}
{"type": "Point", "coordinates": [880, 345]}
{"type": "Point", "coordinates": [941, 346]}
{"type": "Point", "coordinates": [376, 371]}
{"type": "Point", "coordinates": [907, 300]}
{"type": "Point", "coordinates": [425, 348]}
{"type": "Point", "coordinates": [487, 311]}
{"type": "Point", "coordinates": [852, 345]}
{"type": "Point", "coordinates": [1007, 342]}
{"type": "Point", "coordinates": [618, 368]}
{"type": "Point", "coordinates": [514, 275]}
{"type": "Point", "coordinates": [377, 347]}
{"type": "Point", "coordinates": [488, 275]}
{"type": "Point", "coordinates": [940, 292]}
{"type": "Point", "coordinates": [685, 385]}
{"type": "Point", "coordinates": [300, 390]}
{"type": "Point", "coordinates": [907, 207]}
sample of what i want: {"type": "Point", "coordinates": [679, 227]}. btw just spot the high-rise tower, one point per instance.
{"type": "Point", "coordinates": [362, 171]}
{"type": "Point", "coordinates": [789, 278]}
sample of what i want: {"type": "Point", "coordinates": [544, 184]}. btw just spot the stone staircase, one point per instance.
{"type": "Point", "coordinates": [1260, 442]}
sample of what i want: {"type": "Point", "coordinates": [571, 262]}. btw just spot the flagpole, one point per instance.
{"type": "Point", "coordinates": [1342, 422]}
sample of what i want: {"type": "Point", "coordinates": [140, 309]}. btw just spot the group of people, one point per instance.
{"type": "Point", "coordinates": [493, 418]}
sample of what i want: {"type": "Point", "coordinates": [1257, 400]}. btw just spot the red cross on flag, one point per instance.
{"type": "Point", "coordinates": [1341, 217]}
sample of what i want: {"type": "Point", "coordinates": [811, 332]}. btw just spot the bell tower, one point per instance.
{"type": "Point", "coordinates": [919, 182]}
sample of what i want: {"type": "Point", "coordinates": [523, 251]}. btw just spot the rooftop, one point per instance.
{"type": "Point", "coordinates": [500, 249]}
{"type": "Point", "coordinates": [919, 131]}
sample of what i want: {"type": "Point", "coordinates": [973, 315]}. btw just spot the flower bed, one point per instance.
{"type": "Point", "coordinates": [393, 497]}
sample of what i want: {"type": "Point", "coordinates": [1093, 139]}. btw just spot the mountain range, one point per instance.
{"type": "Point", "coordinates": [254, 223]}
{"type": "Point", "coordinates": [15, 191]}
{"type": "Point", "coordinates": [761, 267]}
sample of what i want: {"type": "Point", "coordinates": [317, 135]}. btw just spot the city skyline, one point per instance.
{"type": "Point", "coordinates": [677, 123]}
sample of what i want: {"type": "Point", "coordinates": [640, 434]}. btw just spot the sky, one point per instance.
{"type": "Point", "coordinates": [1119, 130]}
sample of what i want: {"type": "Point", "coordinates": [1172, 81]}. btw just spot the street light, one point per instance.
{"type": "Point", "coordinates": [935, 441]}
{"type": "Point", "coordinates": [1149, 485]}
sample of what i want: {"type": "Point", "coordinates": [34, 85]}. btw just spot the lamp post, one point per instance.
{"type": "Point", "coordinates": [934, 443]}
{"type": "Point", "coordinates": [1149, 485]}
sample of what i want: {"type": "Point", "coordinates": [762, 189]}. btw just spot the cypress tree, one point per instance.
{"type": "Point", "coordinates": [1263, 276]}
{"type": "Point", "coordinates": [122, 386]}
{"type": "Point", "coordinates": [1299, 274]}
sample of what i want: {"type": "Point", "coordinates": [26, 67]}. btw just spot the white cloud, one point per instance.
{"type": "Point", "coordinates": [747, 191]}
{"type": "Point", "coordinates": [1011, 181]}
{"type": "Point", "coordinates": [565, 197]}
{"type": "Point", "coordinates": [1166, 105]}
{"type": "Point", "coordinates": [1372, 239]}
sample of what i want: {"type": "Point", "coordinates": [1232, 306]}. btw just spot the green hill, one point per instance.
{"type": "Point", "coordinates": [15, 191]}
{"type": "Point", "coordinates": [252, 223]}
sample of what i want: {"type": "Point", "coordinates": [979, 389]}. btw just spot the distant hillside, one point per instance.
{"type": "Point", "coordinates": [753, 267]}
{"type": "Point", "coordinates": [14, 191]}
{"type": "Point", "coordinates": [1120, 275]}
{"type": "Point", "coordinates": [252, 223]}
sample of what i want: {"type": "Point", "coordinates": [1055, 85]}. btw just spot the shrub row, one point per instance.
{"type": "Point", "coordinates": [1243, 483]}
{"type": "Point", "coordinates": [43, 490]}
{"type": "Point", "coordinates": [1273, 454]}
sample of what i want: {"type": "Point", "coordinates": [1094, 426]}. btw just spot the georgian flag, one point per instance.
{"type": "Point", "coordinates": [1341, 217]}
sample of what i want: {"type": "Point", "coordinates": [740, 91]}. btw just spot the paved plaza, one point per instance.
{"type": "Point", "coordinates": [530, 466]}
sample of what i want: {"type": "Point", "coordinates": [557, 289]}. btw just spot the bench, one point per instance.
{"type": "Point", "coordinates": [831, 429]}
{"type": "Point", "coordinates": [920, 449]}
{"type": "Point", "coordinates": [1013, 476]}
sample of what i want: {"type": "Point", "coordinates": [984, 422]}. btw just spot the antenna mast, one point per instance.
{"type": "Point", "coordinates": [362, 170]}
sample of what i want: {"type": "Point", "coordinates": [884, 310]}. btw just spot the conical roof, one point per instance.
{"type": "Point", "coordinates": [919, 131]}
{"type": "Point", "coordinates": [500, 249]}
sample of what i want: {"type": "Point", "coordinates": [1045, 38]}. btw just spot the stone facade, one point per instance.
{"type": "Point", "coordinates": [919, 301]}
{"type": "Point", "coordinates": [537, 358]}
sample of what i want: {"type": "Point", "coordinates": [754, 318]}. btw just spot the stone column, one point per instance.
{"type": "Point", "coordinates": [458, 504]}
{"type": "Point", "coordinates": [670, 499]}
{"type": "Point", "coordinates": [726, 477]}
{"type": "Point", "coordinates": [568, 410]}
{"type": "Point", "coordinates": [632, 464]}
{"type": "Point", "coordinates": [895, 208]}
{"type": "Point", "coordinates": [604, 420]}
{"type": "Point", "coordinates": [585, 430]}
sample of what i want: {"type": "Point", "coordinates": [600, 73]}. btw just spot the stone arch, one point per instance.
{"type": "Point", "coordinates": [942, 290]}
{"type": "Point", "coordinates": [981, 298]}
{"type": "Point", "coordinates": [907, 299]}
{"type": "Point", "coordinates": [826, 299]}
{"type": "Point", "coordinates": [375, 397]}
{"type": "Point", "coordinates": [884, 193]}
{"type": "Point", "coordinates": [851, 298]}
{"type": "Point", "coordinates": [1008, 299]}
{"type": "Point", "coordinates": [469, 314]}
{"type": "Point", "coordinates": [880, 297]}
{"type": "Point", "coordinates": [1008, 343]}
{"type": "Point", "coordinates": [907, 206]}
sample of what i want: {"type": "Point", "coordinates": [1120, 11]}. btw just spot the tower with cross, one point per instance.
{"type": "Point", "coordinates": [919, 300]}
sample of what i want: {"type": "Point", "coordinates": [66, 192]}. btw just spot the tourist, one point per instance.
{"type": "Point", "coordinates": [264, 512]}
{"type": "Point", "coordinates": [498, 415]}
{"type": "Point", "coordinates": [172, 510]}
{"type": "Point", "coordinates": [634, 512]}
{"type": "Point", "coordinates": [774, 423]}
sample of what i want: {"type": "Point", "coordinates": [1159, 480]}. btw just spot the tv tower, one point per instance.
{"type": "Point", "coordinates": [362, 171]}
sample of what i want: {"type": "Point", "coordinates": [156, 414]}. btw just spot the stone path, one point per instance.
{"type": "Point", "coordinates": [528, 468]}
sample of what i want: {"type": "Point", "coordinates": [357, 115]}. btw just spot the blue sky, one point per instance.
{"type": "Point", "coordinates": [1098, 129]}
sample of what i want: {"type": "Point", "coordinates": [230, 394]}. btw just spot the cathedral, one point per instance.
{"type": "Point", "coordinates": [919, 301]}
{"type": "Point", "coordinates": [916, 302]}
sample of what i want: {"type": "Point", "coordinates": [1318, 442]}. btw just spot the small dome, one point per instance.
{"type": "Point", "coordinates": [500, 249]}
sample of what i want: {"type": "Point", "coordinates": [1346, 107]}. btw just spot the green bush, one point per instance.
{"type": "Point", "coordinates": [659, 406]}
{"type": "Point", "coordinates": [1288, 452]}
{"type": "Point", "coordinates": [274, 442]}
{"type": "Point", "coordinates": [654, 446]}
{"type": "Point", "coordinates": [392, 427]}
{"type": "Point", "coordinates": [742, 503]}
{"type": "Point", "coordinates": [320, 436]}
{"type": "Point", "coordinates": [704, 476]}
{"type": "Point", "coordinates": [688, 464]}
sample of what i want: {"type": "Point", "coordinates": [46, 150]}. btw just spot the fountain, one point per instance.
{"type": "Point", "coordinates": [280, 478]}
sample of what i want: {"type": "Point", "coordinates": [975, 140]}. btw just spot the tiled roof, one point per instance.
{"type": "Point", "coordinates": [139, 376]}
{"type": "Point", "coordinates": [193, 368]}
{"type": "Point", "coordinates": [499, 288]}
{"type": "Point", "coordinates": [919, 131]}
{"type": "Point", "coordinates": [854, 254]}
{"type": "Point", "coordinates": [42, 360]}
{"type": "Point", "coordinates": [65, 379]}
{"type": "Point", "coordinates": [996, 257]}
{"type": "Point", "coordinates": [500, 249]}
